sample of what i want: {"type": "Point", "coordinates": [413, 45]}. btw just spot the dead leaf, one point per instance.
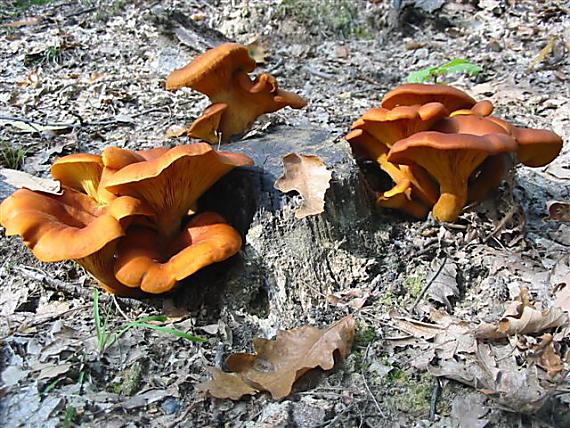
{"type": "Point", "coordinates": [257, 51]}
{"type": "Point", "coordinates": [226, 385]}
{"type": "Point", "coordinates": [308, 175]}
{"type": "Point", "coordinates": [563, 299]}
{"type": "Point", "coordinates": [558, 211]}
{"type": "Point", "coordinates": [278, 363]}
{"type": "Point", "coordinates": [342, 52]}
{"type": "Point", "coordinates": [21, 179]}
{"type": "Point", "coordinates": [522, 318]}
{"type": "Point", "coordinates": [29, 126]}
{"type": "Point", "coordinates": [543, 54]}
{"type": "Point", "coordinates": [547, 357]}
{"type": "Point", "coordinates": [448, 335]}
{"type": "Point", "coordinates": [444, 285]}
{"type": "Point", "coordinates": [352, 297]}
{"type": "Point", "coordinates": [494, 370]}
{"type": "Point", "coordinates": [175, 131]}
{"type": "Point", "coordinates": [468, 411]}
{"type": "Point", "coordinates": [31, 80]}
{"type": "Point", "coordinates": [53, 371]}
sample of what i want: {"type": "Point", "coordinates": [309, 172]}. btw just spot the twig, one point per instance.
{"type": "Point", "coordinates": [373, 398]}
{"type": "Point", "coordinates": [120, 309]}
{"type": "Point", "coordinates": [428, 285]}
{"type": "Point", "coordinates": [35, 274]}
{"type": "Point", "coordinates": [434, 397]}
{"type": "Point", "coordinates": [80, 12]}
{"type": "Point", "coordinates": [318, 73]}
{"type": "Point", "coordinates": [501, 224]}
{"type": "Point", "coordinates": [34, 124]}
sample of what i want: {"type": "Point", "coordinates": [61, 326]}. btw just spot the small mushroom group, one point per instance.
{"type": "Point", "coordinates": [442, 149]}
{"type": "Point", "coordinates": [222, 74]}
{"type": "Point", "coordinates": [129, 217]}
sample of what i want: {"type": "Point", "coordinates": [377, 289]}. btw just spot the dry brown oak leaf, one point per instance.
{"type": "Point", "coordinates": [278, 363]}
{"type": "Point", "coordinates": [521, 317]}
{"type": "Point", "coordinates": [308, 175]}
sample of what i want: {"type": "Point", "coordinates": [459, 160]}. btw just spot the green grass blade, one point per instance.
{"type": "Point", "coordinates": [169, 330]}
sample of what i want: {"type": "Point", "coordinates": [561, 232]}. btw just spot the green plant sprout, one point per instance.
{"type": "Point", "coordinates": [457, 65]}
{"type": "Point", "coordinates": [107, 338]}
{"type": "Point", "coordinates": [12, 157]}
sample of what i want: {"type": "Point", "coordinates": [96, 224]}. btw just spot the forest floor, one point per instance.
{"type": "Point", "coordinates": [77, 76]}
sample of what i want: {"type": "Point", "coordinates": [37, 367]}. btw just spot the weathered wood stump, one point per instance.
{"type": "Point", "coordinates": [288, 266]}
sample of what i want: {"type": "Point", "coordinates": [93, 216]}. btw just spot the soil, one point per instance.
{"type": "Point", "coordinates": [85, 75]}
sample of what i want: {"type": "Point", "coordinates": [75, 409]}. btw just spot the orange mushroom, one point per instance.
{"type": "Point", "coordinates": [450, 159]}
{"type": "Point", "coordinates": [172, 182]}
{"type": "Point", "coordinates": [481, 108]}
{"type": "Point", "coordinates": [418, 93]}
{"type": "Point", "coordinates": [388, 126]}
{"type": "Point", "coordinates": [222, 75]}
{"type": "Point", "coordinates": [413, 192]}
{"type": "Point", "coordinates": [72, 226]}
{"type": "Point", "coordinates": [81, 172]}
{"type": "Point", "coordinates": [537, 147]}
{"type": "Point", "coordinates": [146, 261]}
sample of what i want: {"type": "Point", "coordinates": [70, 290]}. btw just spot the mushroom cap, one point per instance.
{"type": "Point", "coordinates": [172, 182]}
{"type": "Point", "coordinates": [388, 126]}
{"type": "Point", "coordinates": [79, 171]}
{"type": "Point", "coordinates": [117, 158]}
{"type": "Point", "coordinates": [468, 124]}
{"type": "Point", "coordinates": [213, 70]}
{"type": "Point", "coordinates": [67, 226]}
{"type": "Point", "coordinates": [411, 149]}
{"type": "Point", "coordinates": [251, 99]}
{"type": "Point", "coordinates": [207, 125]}
{"type": "Point", "coordinates": [537, 147]}
{"type": "Point", "coordinates": [450, 159]}
{"type": "Point", "coordinates": [244, 102]}
{"type": "Point", "coordinates": [417, 93]}
{"type": "Point", "coordinates": [481, 108]}
{"type": "Point", "coordinates": [205, 240]}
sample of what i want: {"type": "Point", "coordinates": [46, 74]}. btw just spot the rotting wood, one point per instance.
{"type": "Point", "coordinates": [296, 263]}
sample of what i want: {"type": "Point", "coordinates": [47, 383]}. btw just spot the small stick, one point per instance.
{"type": "Point", "coordinates": [434, 396]}
{"type": "Point", "coordinates": [373, 398]}
{"type": "Point", "coordinates": [428, 285]}
{"type": "Point", "coordinates": [120, 309]}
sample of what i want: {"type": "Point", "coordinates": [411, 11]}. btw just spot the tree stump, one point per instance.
{"type": "Point", "coordinates": [288, 266]}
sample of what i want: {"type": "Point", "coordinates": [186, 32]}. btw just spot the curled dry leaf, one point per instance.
{"type": "Point", "coordinates": [558, 211]}
{"type": "Point", "coordinates": [547, 357]}
{"type": "Point", "coordinates": [523, 318]}
{"type": "Point", "coordinates": [308, 175]}
{"type": "Point", "coordinates": [352, 297]}
{"type": "Point", "coordinates": [519, 378]}
{"type": "Point", "coordinates": [277, 364]}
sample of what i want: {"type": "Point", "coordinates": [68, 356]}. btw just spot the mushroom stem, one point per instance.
{"type": "Point", "coordinates": [169, 226]}
{"type": "Point", "coordinates": [451, 201]}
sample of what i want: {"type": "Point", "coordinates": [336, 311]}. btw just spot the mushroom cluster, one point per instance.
{"type": "Point", "coordinates": [442, 149]}
{"type": "Point", "coordinates": [222, 74]}
{"type": "Point", "coordinates": [129, 218]}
